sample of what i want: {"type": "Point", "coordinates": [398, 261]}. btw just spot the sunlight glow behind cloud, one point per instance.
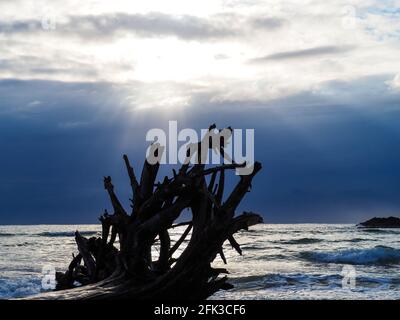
{"type": "Point", "coordinates": [270, 49]}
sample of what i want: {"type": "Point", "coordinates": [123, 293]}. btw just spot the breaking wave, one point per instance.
{"type": "Point", "coordinates": [380, 230]}
{"type": "Point", "coordinates": [380, 255]}
{"type": "Point", "coordinates": [49, 234]}
{"type": "Point", "coordinates": [301, 241]}
{"type": "Point", "coordinates": [7, 234]}
{"type": "Point", "coordinates": [66, 234]}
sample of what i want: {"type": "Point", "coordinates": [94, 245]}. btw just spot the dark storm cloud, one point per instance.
{"type": "Point", "coordinates": [57, 141]}
{"type": "Point", "coordinates": [322, 162]}
{"type": "Point", "coordinates": [305, 53]}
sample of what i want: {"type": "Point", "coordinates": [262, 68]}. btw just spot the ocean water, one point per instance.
{"type": "Point", "coordinates": [292, 261]}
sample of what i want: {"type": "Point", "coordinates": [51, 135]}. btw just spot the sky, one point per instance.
{"type": "Point", "coordinates": [319, 81]}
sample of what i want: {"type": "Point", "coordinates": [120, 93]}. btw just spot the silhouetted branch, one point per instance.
{"type": "Point", "coordinates": [128, 269]}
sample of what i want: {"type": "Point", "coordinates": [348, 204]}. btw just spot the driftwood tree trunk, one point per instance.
{"type": "Point", "coordinates": [130, 272]}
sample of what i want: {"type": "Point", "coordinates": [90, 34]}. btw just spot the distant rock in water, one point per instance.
{"type": "Point", "coordinates": [391, 222]}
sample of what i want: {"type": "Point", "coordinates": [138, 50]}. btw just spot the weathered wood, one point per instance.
{"type": "Point", "coordinates": [234, 244]}
{"type": "Point", "coordinates": [180, 240]}
{"type": "Point", "coordinates": [84, 251]}
{"type": "Point", "coordinates": [129, 272]}
{"type": "Point", "coordinates": [118, 209]}
{"type": "Point", "coordinates": [134, 183]}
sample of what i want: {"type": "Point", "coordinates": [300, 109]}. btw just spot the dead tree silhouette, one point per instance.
{"type": "Point", "coordinates": [130, 271]}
